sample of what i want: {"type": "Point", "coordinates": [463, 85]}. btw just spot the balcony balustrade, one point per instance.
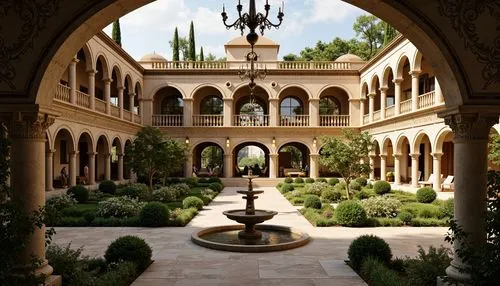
{"type": "Point", "coordinates": [376, 115]}
{"type": "Point", "coordinates": [294, 120]}
{"type": "Point", "coordinates": [405, 106]}
{"type": "Point", "coordinates": [62, 92]}
{"type": "Point", "coordinates": [115, 111]}
{"type": "Point", "coordinates": [334, 120]}
{"type": "Point", "coordinates": [163, 120]}
{"type": "Point", "coordinates": [426, 100]}
{"type": "Point", "coordinates": [82, 99]}
{"type": "Point", "coordinates": [127, 115]}
{"type": "Point", "coordinates": [366, 118]}
{"type": "Point", "coordinates": [248, 120]}
{"type": "Point", "coordinates": [208, 120]}
{"type": "Point", "coordinates": [389, 111]}
{"type": "Point", "coordinates": [100, 105]}
{"type": "Point", "coordinates": [137, 118]}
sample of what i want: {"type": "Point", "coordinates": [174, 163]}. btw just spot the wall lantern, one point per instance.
{"type": "Point", "coordinates": [315, 141]}
{"type": "Point", "coordinates": [227, 142]}
{"type": "Point", "coordinates": [274, 142]}
{"type": "Point", "coordinates": [187, 140]}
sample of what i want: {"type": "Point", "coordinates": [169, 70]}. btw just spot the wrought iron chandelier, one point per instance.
{"type": "Point", "coordinates": [253, 21]}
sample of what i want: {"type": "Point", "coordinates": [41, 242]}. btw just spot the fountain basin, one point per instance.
{"type": "Point", "coordinates": [274, 238]}
{"type": "Point", "coordinates": [241, 216]}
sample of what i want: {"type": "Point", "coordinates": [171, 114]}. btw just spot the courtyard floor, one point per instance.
{"type": "Point", "coordinates": [180, 262]}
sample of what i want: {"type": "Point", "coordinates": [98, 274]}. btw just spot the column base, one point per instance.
{"type": "Point", "coordinates": [457, 274]}
{"type": "Point", "coordinates": [53, 280]}
{"type": "Point", "coordinates": [441, 281]}
{"type": "Point", "coordinates": [49, 189]}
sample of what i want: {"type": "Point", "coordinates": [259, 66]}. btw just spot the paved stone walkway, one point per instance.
{"type": "Point", "coordinates": [180, 262]}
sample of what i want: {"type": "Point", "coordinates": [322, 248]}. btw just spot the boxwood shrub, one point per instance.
{"type": "Point", "coordinates": [313, 202]}
{"type": "Point", "coordinates": [154, 214]}
{"type": "Point", "coordinates": [107, 187]}
{"type": "Point", "coordinates": [192, 202]}
{"type": "Point", "coordinates": [333, 181]}
{"type": "Point", "coordinates": [129, 248]}
{"type": "Point", "coordinates": [368, 246]}
{"type": "Point", "coordinates": [309, 180]}
{"type": "Point", "coordinates": [350, 213]}
{"type": "Point", "coordinates": [288, 180]}
{"type": "Point", "coordinates": [79, 192]}
{"type": "Point", "coordinates": [215, 186]}
{"type": "Point", "coordinates": [362, 181]}
{"type": "Point", "coordinates": [426, 195]}
{"type": "Point", "coordinates": [381, 187]}
{"type": "Point", "coordinates": [298, 180]}
{"type": "Point", "coordinates": [285, 188]}
{"type": "Point", "coordinates": [331, 196]}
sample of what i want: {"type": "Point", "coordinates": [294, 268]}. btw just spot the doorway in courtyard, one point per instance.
{"type": "Point", "coordinates": [293, 160]}
{"type": "Point", "coordinates": [208, 160]}
{"type": "Point", "coordinates": [251, 156]}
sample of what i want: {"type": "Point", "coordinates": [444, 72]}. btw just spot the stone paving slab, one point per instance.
{"type": "Point", "coordinates": [179, 262]}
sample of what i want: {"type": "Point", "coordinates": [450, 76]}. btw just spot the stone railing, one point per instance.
{"type": "Point", "coordinates": [62, 92]}
{"type": "Point", "coordinates": [127, 115]}
{"type": "Point", "coordinates": [115, 110]}
{"type": "Point", "coordinates": [405, 106]}
{"type": "Point", "coordinates": [163, 120]}
{"type": "Point", "coordinates": [366, 118]}
{"type": "Point", "coordinates": [389, 111]}
{"type": "Point", "coordinates": [283, 65]}
{"type": "Point", "coordinates": [82, 99]}
{"type": "Point", "coordinates": [100, 105]}
{"type": "Point", "coordinates": [334, 120]}
{"type": "Point", "coordinates": [137, 118]}
{"type": "Point", "coordinates": [426, 100]}
{"type": "Point", "coordinates": [251, 120]}
{"type": "Point", "coordinates": [294, 120]}
{"type": "Point", "coordinates": [376, 115]}
{"type": "Point", "coordinates": [208, 120]}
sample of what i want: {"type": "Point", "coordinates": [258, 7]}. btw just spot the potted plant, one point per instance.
{"type": "Point", "coordinates": [389, 176]}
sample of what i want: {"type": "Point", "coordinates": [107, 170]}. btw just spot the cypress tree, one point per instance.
{"type": "Point", "coordinates": [389, 34]}
{"type": "Point", "coordinates": [117, 34]}
{"type": "Point", "coordinates": [202, 56]}
{"type": "Point", "coordinates": [192, 46]}
{"type": "Point", "coordinates": [175, 46]}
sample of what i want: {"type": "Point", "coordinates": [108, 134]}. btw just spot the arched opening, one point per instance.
{"type": "Point", "coordinates": [294, 108]}
{"type": "Point", "coordinates": [403, 75]}
{"type": "Point", "coordinates": [168, 107]}
{"type": "Point", "coordinates": [128, 91]}
{"type": "Point", "coordinates": [445, 147]}
{"type": "Point", "coordinates": [116, 153]}
{"type": "Point", "coordinates": [82, 76]}
{"type": "Point", "coordinates": [248, 113]}
{"type": "Point", "coordinates": [116, 88]}
{"type": "Point", "coordinates": [251, 156]}
{"type": "Point", "coordinates": [138, 95]}
{"type": "Point", "coordinates": [375, 155]}
{"type": "Point", "coordinates": [64, 147]}
{"type": "Point", "coordinates": [85, 150]}
{"type": "Point", "coordinates": [388, 84]}
{"type": "Point", "coordinates": [403, 150]}
{"type": "Point", "coordinates": [208, 160]}
{"type": "Point", "coordinates": [103, 160]}
{"type": "Point", "coordinates": [388, 151]}
{"type": "Point", "coordinates": [422, 146]}
{"type": "Point", "coordinates": [127, 170]}
{"type": "Point", "coordinates": [334, 107]}
{"type": "Point", "coordinates": [102, 76]}
{"type": "Point", "coordinates": [208, 107]}
{"type": "Point", "coordinates": [293, 160]}
{"type": "Point", "coordinates": [375, 93]}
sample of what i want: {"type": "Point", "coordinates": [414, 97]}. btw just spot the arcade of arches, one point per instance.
{"type": "Point", "coordinates": [102, 94]}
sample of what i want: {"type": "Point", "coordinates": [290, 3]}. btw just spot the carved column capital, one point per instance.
{"type": "Point", "coordinates": [415, 156]}
{"type": "Point", "coordinates": [437, 156]}
{"type": "Point", "coordinates": [397, 156]}
{"type": "Point", "coordinates": [415, 73]}
{"type": "Point", "coordinates": [384, 89]}
{"type": "Point", "coordinates": [397, 81]}
{"type": "Point", "coordinates": [28, 125]}
{"type": "Point", "coordinates": [471, 126]}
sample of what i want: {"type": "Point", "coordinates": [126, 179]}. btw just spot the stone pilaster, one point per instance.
{"type": "Point", "coordinates": [228, 165]}
{"type": "Point", "coordinates": [314, 168]}
{"type": "Point", "coordinates": [120, 100]}
{"type": "Point", "coordinates": [383, 164]}
{"type": "Point", "coordinates": [107, 166]}
{"type": "Point", "coordinates": [314, 119]}
{"type": "Point", "coordinates": [436, 170]}
{"type": "Point", "coordinates": [72, 80]}
{"type": "Point", "coordinates": [274, 112]}
{"type": "Point", "coordinates": [471, 130]}
{"type": "Point", "coordinates": [228, 112]}
{"type": "Point", "coordinates": [414, 169]}
{"type": "Point", "coordinates": [273, 165]}
{"type": "Point", "coordinates": [371, 106]}
{"type": "Point", "coordinates": [414, 89]}
{"type": "Point", "coordinates": [91, 89]}
{"type": "Point", "coordinates": [188, 113]}
{"type": "Point", "coordinates": [397, 95]}
{"type": "Point", "coordinates": [107, 94]}
{"type": "Point", "coordinates": [91, 167]}
{"type": "Point", "coordinates": [72, 168]}
{"type": "Point", "coordinates": [383, 102]}
{"type": "Point", "coordinates": [120, 167]}
{"type": "Point", "coordinates": [49, 170]}
{"type": "Point", "coordinates": [361, 111]}
{"type": "Point", "coordinates": [397, 169]}
{"type": "Point", "coordinates": [188, 167]}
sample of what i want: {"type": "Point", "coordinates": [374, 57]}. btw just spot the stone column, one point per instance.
{"type": "Point", "coordinates": [362, 111]}
{"type": "Point", "coordinates": [91, 90]}
{"type": "Point", "coordinates": [228, 112]}
{"type": "Point", "coordinates": [147, 112]}
{"type": "Point", "coordinates": [471, 130]}
{"type": "Point", "coordinates": [91, 167]}
{"type": "Point", "coordinates": [273, 166]}
{"type": "Point", "coordinates": [372, 166]}
{"type": "Point", "coordinates": [436, 169]}
{"type": "Point", "coordinates": [397, 95]}
{"type": "Point", "coordinates": [188, 112]}
{"type": "Point", "coordinates": [141, 109]}
{"type": "Point", "coordinates": [383, 102]}
{"type": "Point", "coordinates": [397, 169]}
{"type": "Point", "coordinates": [72, 168]}
{"type": "Point", "coordinates": [274, 112]}
{"type": "Point", "coordinates": [314, 168]}
{"type": "Point", "coordinates": [49, 170]}
{"type": "Point", "coordinates": [371, 106]}
{"type": "Point", "coordinates": [427, 161]}
{"type": "Point", "coordinates": [107, 166]}
{"type": "Point", "coordinates": [414, 90]}
{"type": "Point", "coordinates": [27, 132]}
{"type": "Point", "coordinates": [72, 80]}
{"type": "Point", "coordinates": [383, 164]}
{"type": "Point", "coordinates": [439, 99]}
{"type": "Point", "coordinates": [188, 167]}
{"type": "Point", "coordinates": [107, 94]}
{"type": "Point", "coordinates": [131, 106]}
{"type": "Point", "coordinates": [228, 165]}
{"type": "Point", "coordinates": [120, 167]}
{"type": "Point", "coordinates": [414, 169]}
{"type": "Point", "coordinates": [314, 119]}
{"type": "Point", "coordinates": [120, 100]}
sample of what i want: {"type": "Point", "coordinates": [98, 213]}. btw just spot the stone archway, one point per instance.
{"type": "Point", "coordinates": [253, 150]}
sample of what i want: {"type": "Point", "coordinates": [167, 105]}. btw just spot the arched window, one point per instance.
{"type": "Point", "coordinates": [257, 108]}
{"type": "Point", "coordinates": [291, 106]}
{"type": "Point", "coordinates": [212, 105]}
{"type": "Point", "coordinates": [173, 105]}
{"type": "Point", "coordinates": [329, 106]}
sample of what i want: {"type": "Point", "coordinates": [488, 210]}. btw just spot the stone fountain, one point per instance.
{"type": "Point", "coordinates": [250, 235]}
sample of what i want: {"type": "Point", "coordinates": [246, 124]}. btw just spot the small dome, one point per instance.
{"type": "Point", "coordinates": [153, 57]}
{"type": "Point", "coordinates": [242, 41]}
{"type": "Point", "coordinates": [349, 58]}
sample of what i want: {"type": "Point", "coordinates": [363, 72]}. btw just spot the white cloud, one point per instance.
{"type": "Point", "coordinates": [330, 11]}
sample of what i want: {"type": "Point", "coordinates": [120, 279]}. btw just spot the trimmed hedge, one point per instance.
{"type": "Point", "coordinates": [381, 187]}
{"type": "Point", "coordinates": [350, 213]}
{"type": "Point", "coordinates": [193, 202]}
{"type": "Point", "coordinates": [154, 214]}
{"type": "Point", "coordinates": [285, 188]}
{"type": "Point", "coordinates": [79, 192]}
{"type": "Point", "coordinates": [362, 181]}
{"type": "Point", "coordinates": [313, 202]}
{"type": "Point", "coordinates": [129, 248]}
{"type": "Point", "coordinates": [368, 246]}
{"type": "Point", "coordinates": [309, 180]}
{"type": "Point", "coordinates": [288, 180]}
{"type": "Point", "coordinates": [299, 180]}
{"type": "Point", "coordinates": [426, 195]}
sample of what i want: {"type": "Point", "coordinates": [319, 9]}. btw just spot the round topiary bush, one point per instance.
{"type": "Point", "coordinates": [426, 195]}
{"type": "Point", "coordinates": [288, 180]}
{"type": "Point", "coordinates": [154, 214]}
{"type": "Point", "coordinates": [368, 246]}
{"type": "Point", "coordinates": [216, 187]}
{"type": "Point", "coordinates": [285, 188]}
{"type": "Point", "coordinates": [333, 181]}
{"type": "Point", "coordinates": [361, 195]}
{"type": "Point", "coordinates": [299, 180]}
{"type": "Point", "coordinates": [321, 180]}
{"type": "Point", "coordinates": [129, 248]}
{"type": "Point", "coordinates": [309, 180]}
{"type": "Point", "coordinates": [136, 191]}
{"type": "Point", "coordinates": [79, 193]}
{"type": "Point", "coordinates": [354, 186]}
{"type": "Point", "coordinates": [312, 202]}
{"type": "Point", "coordinates": [381, 187]}
{"type": "Point", "coordinates": [405, 217]}
{"type": "Point", "coordinates": [350, 213]}
{"type": "Point", "coordinates": [108, 187]}
{"type": "Point", "coordinates": [369, 186]}
{"type": "Point", "coordinates": [362, 181]}
{"type": "Point", "coordinates": [331, 196]}
{"type": "Point", "coordinates": [192, 202]}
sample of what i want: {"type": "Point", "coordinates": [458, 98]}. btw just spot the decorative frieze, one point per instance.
{"type": "Point", "coordinates": [29, 125]}
{"type": "Point", "coordinates": [471, 126]}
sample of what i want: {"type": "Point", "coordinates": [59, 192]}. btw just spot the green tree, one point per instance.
{"type": "Point", "coordinates": [184, 48]}
{"type": "Point", "coordinates": [202, 56]}
{"type": "Point", "coordinates": [494, 149]}
{"type": "Point", "coordinates": [174, 44]}
{"type": "Point", "coordinates": [175, 156]}
{"type": "Point", "coordinates": [150, 153]}
{"type": "Point", "coordinates": [116, 33]}
{"type": "Point", "coordinates": [191, 44]}
{"type": "Point", "coordinates": [370, 29]}
{"type": "Point", "coordinates": [389, 34]}
{"type": "Point", "coordinates": [4, 163]}
{"type": "Point", "coordinates": [212, 157]}
{"type": "Point", "coordinates": [291, 58]}
{"type": "Point", "coordinates": [347, 156]}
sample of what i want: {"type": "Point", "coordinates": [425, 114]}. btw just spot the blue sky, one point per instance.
{"type": "Point", "coordinates": [151, 27]}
